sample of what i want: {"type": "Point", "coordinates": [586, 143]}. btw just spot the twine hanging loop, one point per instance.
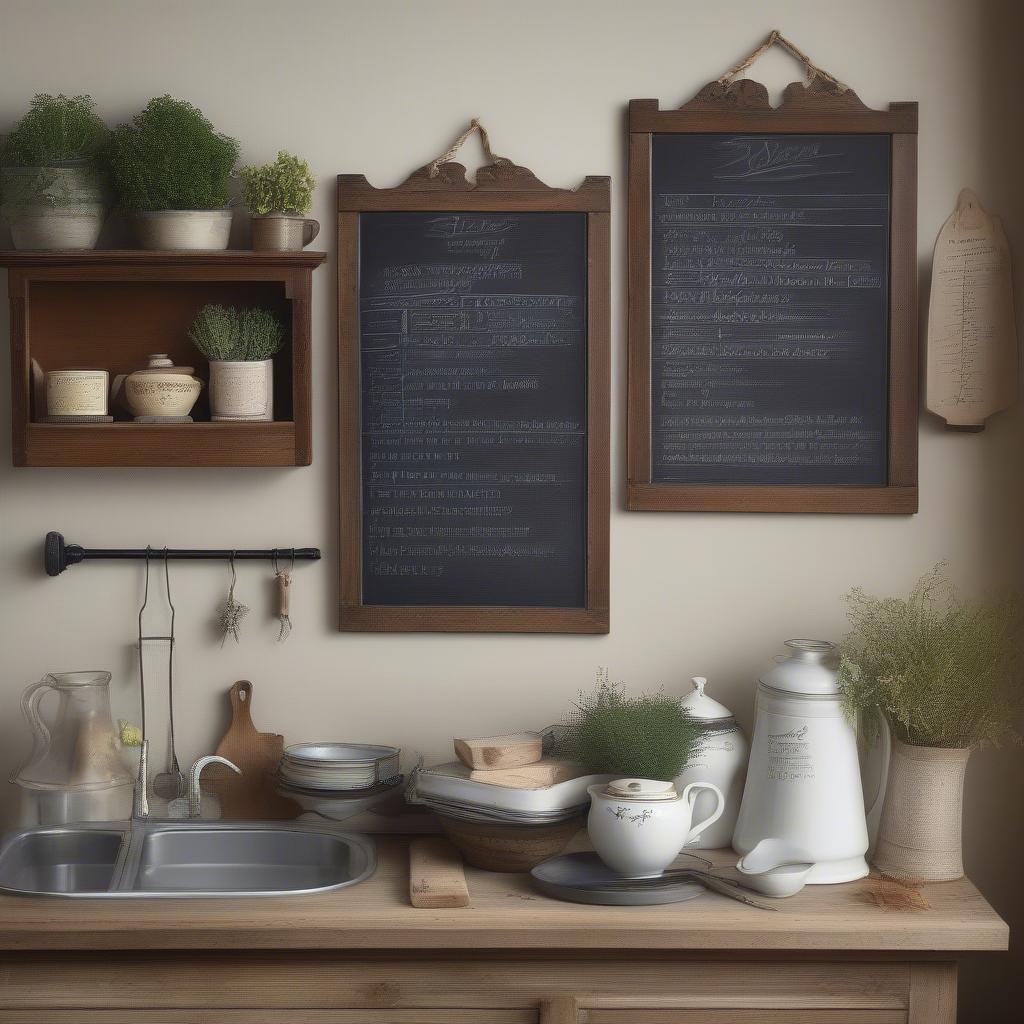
{"type": "Point", "coordinates": [449, 153]}
{"type": "Point", "coordinates": [776, 38]}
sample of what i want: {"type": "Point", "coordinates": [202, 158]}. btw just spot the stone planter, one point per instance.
{"type": "Point", "coordinates": [242, 390]}
{"type": "Point", "coordinates": [282, 232]}
{"type": "Point", "coordinates": [59, 207]}
{"type": "Point", "coordinates": [920, 835]}
{"type": "Point", "coordinates": [183, 229]}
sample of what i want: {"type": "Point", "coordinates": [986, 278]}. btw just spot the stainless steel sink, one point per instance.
{"type": "Point", "coordinates": [184, 859]}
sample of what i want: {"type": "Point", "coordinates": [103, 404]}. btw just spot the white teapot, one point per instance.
{"type": "Point", "coordinates": [638, 826]}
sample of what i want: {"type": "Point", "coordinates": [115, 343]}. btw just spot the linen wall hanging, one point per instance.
{"type": "Point", "coordinates": [772, 300]}
{"type": "Point", "coordinates": [474, 389]}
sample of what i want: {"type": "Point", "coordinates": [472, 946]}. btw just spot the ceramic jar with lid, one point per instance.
{"type": "Point", "coordinates": [719, 756]}
{"type": "Point", "coordinates": [161, 389]}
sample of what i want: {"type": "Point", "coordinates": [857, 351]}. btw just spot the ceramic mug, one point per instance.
{"type": "Point", "coordinates": [639, 837]}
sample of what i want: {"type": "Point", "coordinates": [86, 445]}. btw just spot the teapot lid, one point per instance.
{"type": "Point", "coordinates": [641, 789]}
{"type": "Point", "coordinates": [160, 362]}
{"type": "Point", "coordinates": [809, 668]}
{"type": "Point", "coordinates": [697, 704]}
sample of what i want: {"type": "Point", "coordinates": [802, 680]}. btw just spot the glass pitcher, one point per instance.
{"type": "Point", "coordinates": [75, 771]}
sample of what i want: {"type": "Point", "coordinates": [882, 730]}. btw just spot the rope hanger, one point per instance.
{"type": "Point", "coordinates": [776, 38]}
{"type": "Point", "coordinates": [449, 153]}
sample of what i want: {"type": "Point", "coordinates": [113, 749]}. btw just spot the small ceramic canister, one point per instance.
{"type": "Point", "coordinates": [76, 393]}
{"type": "Point", "coordinates": [638, 826]}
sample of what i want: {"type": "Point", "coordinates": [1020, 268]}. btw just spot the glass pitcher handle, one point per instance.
{"type": "Point", "coordinates": [40, 733]}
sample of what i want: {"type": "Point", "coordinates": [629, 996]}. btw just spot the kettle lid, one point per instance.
{"type": "Point", "coordinates": [697, 704]}
{"type": "Point", "coordinates": [641, 789]}
{"type": "Point", "coordinates": [809, 668]}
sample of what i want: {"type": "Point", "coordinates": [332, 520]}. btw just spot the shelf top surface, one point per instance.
{"type": "Point", "coordinates": [157, 257]}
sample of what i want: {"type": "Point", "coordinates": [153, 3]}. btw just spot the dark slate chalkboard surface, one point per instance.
{"type": "Point", "coordinates": [769, 309]}
{"type": "Point", "coordinates": [473, 408]}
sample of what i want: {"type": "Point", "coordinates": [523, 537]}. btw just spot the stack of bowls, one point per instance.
{"type": "Point", "coordinates": [337, 767]}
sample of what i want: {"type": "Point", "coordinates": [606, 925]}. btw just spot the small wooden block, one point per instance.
{"type": "Point", "coordinates": [490, 752]}
{"type": "Point", "coordinates": [546, 772]}
{"type": "Point", "coordinates": [437, 878]}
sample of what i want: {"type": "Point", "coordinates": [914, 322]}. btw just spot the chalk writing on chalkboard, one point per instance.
{"type": "Point", "coordinates": [473, 376]}
{"type": "Point", "coordinates": [769, 308]}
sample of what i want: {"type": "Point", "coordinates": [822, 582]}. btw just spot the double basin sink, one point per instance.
{"type": "Point", "coordinates": [183, 859]}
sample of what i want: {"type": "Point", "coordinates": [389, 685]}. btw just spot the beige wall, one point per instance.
{"type": "Point", "coordinates": [380, 87]}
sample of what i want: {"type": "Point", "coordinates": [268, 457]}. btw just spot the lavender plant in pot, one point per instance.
{"type": "Point", "coordinates": [279, 195]}
{"type": "Point", "coordinates": [171, 170]}
{"type": "Point", "coordinates": [946, 674]}
{"type": "Point", "coordinates": [54, 189]}
{"type": "Point", "coordinates": [240, 345]}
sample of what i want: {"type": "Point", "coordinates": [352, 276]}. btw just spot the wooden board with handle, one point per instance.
{"type": "Point", "coordinates": [251, 795]}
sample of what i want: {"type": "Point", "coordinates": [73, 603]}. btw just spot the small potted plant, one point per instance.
{"type": "Point", "coordinates": [54, 191]}
{"type": "Point", "coordinates": [279, 196]}
{"type": "Point", "coordinates": [240, 345]}
{"type": "Point", "coordinates": [947, 676]}
{"type": "Point", "coordinates": [171, 170]}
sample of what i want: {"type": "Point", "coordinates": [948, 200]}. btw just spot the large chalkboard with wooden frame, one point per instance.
{"type": "Point", "coordinates": [772, 302]}
{"type": "Point", "coordinates": [474, 386]}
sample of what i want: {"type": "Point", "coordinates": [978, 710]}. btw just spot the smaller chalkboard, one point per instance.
{"type": "Point", "coordinates": [474, 482]}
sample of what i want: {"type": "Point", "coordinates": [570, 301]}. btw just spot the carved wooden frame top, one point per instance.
{"type": "Point", "coordinates": [815, 107]}
{"type": "Point", "coordinates": [499, 187]}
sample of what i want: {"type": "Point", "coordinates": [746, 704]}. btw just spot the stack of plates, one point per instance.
{"type": "Point", "coordinates": [337, 767]}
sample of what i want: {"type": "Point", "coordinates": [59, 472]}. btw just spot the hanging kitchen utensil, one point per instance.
{"type": "Point", "coordinates": [231, 612]}
{"type": "Point", "coordinates": [170, 784]}
{"type": "Point", "coordinates": [252, 794]}
{"type": "Point", "coordinates": [283, 586]}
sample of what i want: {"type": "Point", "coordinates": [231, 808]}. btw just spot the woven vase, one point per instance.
{"type": "Point", "coordinates": [920, 835]}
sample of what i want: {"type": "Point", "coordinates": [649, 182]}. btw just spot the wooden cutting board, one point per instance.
{"type": "Point", "coordinates": [437, 878]}
{"type": "Point", "coordinates": [251, 795]}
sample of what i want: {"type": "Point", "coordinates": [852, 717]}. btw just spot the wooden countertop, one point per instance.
{"type": "Point", "coordinates": [505, 914]}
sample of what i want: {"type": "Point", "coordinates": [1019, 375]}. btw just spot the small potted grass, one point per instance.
{"type": "Point", "coordinates": [240, 345]}
{"type": "Point", "coordinates": [54, 189]}
{"type": "Point", "coordinates": [279, 195]}
{"type": "Point", "coordinates": [171, 170]}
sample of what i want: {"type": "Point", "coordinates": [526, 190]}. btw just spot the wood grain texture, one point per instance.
{"type": "Point", "coordinates": [743, 106]}
{"type": "Point", "coordinates": [498, 187]}
{"type": "Point", "coordinates": [110, 309]}
{"type": "Point", "coordinates": [816, 1016]}
{"type": "Point", "coordinates": [257, 1016]}
{"type": "Point", "coordinates": [560, 1010]}
{"type": "Point", "coordinates": [507, 914]}
{"type": "Point", "coordinates": [437, 877]}
{"type": "Point", "coordinates": [508, 751]}
{"type": "Point", "coordinates": [932, 994]}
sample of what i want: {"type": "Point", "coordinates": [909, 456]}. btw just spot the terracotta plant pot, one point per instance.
{"type": "Point", "coordinates": [183, 229]}
{"type": "Point", "coordinates": [508, 847]}
{"type": "Point", "coordinates": [920, 835]}
{"type": "Point", "coordinates": [282, 232]}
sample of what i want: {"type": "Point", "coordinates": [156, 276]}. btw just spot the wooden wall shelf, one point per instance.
{"type": "Point", "coordinates": [109, 309]}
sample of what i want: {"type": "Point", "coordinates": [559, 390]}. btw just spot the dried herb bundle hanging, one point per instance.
{"type": "Point", "coordinates": [645, 737]}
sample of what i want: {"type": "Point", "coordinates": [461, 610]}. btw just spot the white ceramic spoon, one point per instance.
{"type": "Point", "coordinates": [770, 854]}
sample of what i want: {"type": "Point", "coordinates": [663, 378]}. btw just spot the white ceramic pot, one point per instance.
{"type": "Point", "coordinates": [639, 826]}
{"type": "Point", "coordinates": [183, 229]}
{"type": "Point", "coordinates": [282, 232]}
{"type": "Point", "coordinates": [60, 207]}
{"type": "Point", "coordinates": [50, 227]}
{"type": "Point", "coordinates": [242, 390]}
{"type": "Point", "coordinates": [76, 393]}
{"type": "Point", "coordinates": [161, 394]}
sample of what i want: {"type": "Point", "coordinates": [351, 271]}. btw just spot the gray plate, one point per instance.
{"type": "Point", "coordinates": [562, 876]}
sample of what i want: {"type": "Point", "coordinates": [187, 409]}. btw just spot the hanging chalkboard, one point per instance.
{"type": "Point", "coordinates": [772, 292]}
{"type": "Point", "coordinates": [474, 391]}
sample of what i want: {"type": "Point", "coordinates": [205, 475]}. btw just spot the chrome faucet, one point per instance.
{"type": "Point", "coordinates": [140, 802]}
{"type": "Point", "coordinates": [194, 792]}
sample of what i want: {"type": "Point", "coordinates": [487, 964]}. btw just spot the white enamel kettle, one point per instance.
{"type": "Point", "coordinates": [804, 779]}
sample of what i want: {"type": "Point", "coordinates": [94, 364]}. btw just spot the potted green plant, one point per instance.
{"type": "Point", "coordinates": [54, 191]}
{"type": "Point", "coordinates": [279, 195]}
{"type": "Point", "coordinates": [240, 345]}
{"type": "Point", "coordinates": [171, 170]}
{"type": "Point", "coordinates": [610, 732]}
{"type": "Point", "coordinates": [946, 673]}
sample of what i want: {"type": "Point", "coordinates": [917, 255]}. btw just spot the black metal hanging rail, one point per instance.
{"type": "Point", "coordinates": [58, 554]}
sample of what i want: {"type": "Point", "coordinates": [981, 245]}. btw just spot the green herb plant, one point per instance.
{"type": "Point", "coordinates": [644, 737]}
{"type": "Point", "coordinates": [169, 157]}
{"type": "Point", "coordinates": [56, 130]}
{"type": "Point", "coordinates": [946, 672]}
{"type": "Point", "coordinates": [284, 186]}
{"type": "Point", "coordinates": [249, 334]}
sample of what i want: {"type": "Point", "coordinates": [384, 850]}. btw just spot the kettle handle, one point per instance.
{"type": "Point", "coordinates": [40, 733]}
{"type": "Point", "coordinates": [690, 796]}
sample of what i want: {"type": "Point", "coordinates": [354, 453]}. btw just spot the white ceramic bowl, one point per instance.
{"type": "Point", "coordinates": [161, 394]}
{"type": "Point", "coordinates": [786, 880]}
